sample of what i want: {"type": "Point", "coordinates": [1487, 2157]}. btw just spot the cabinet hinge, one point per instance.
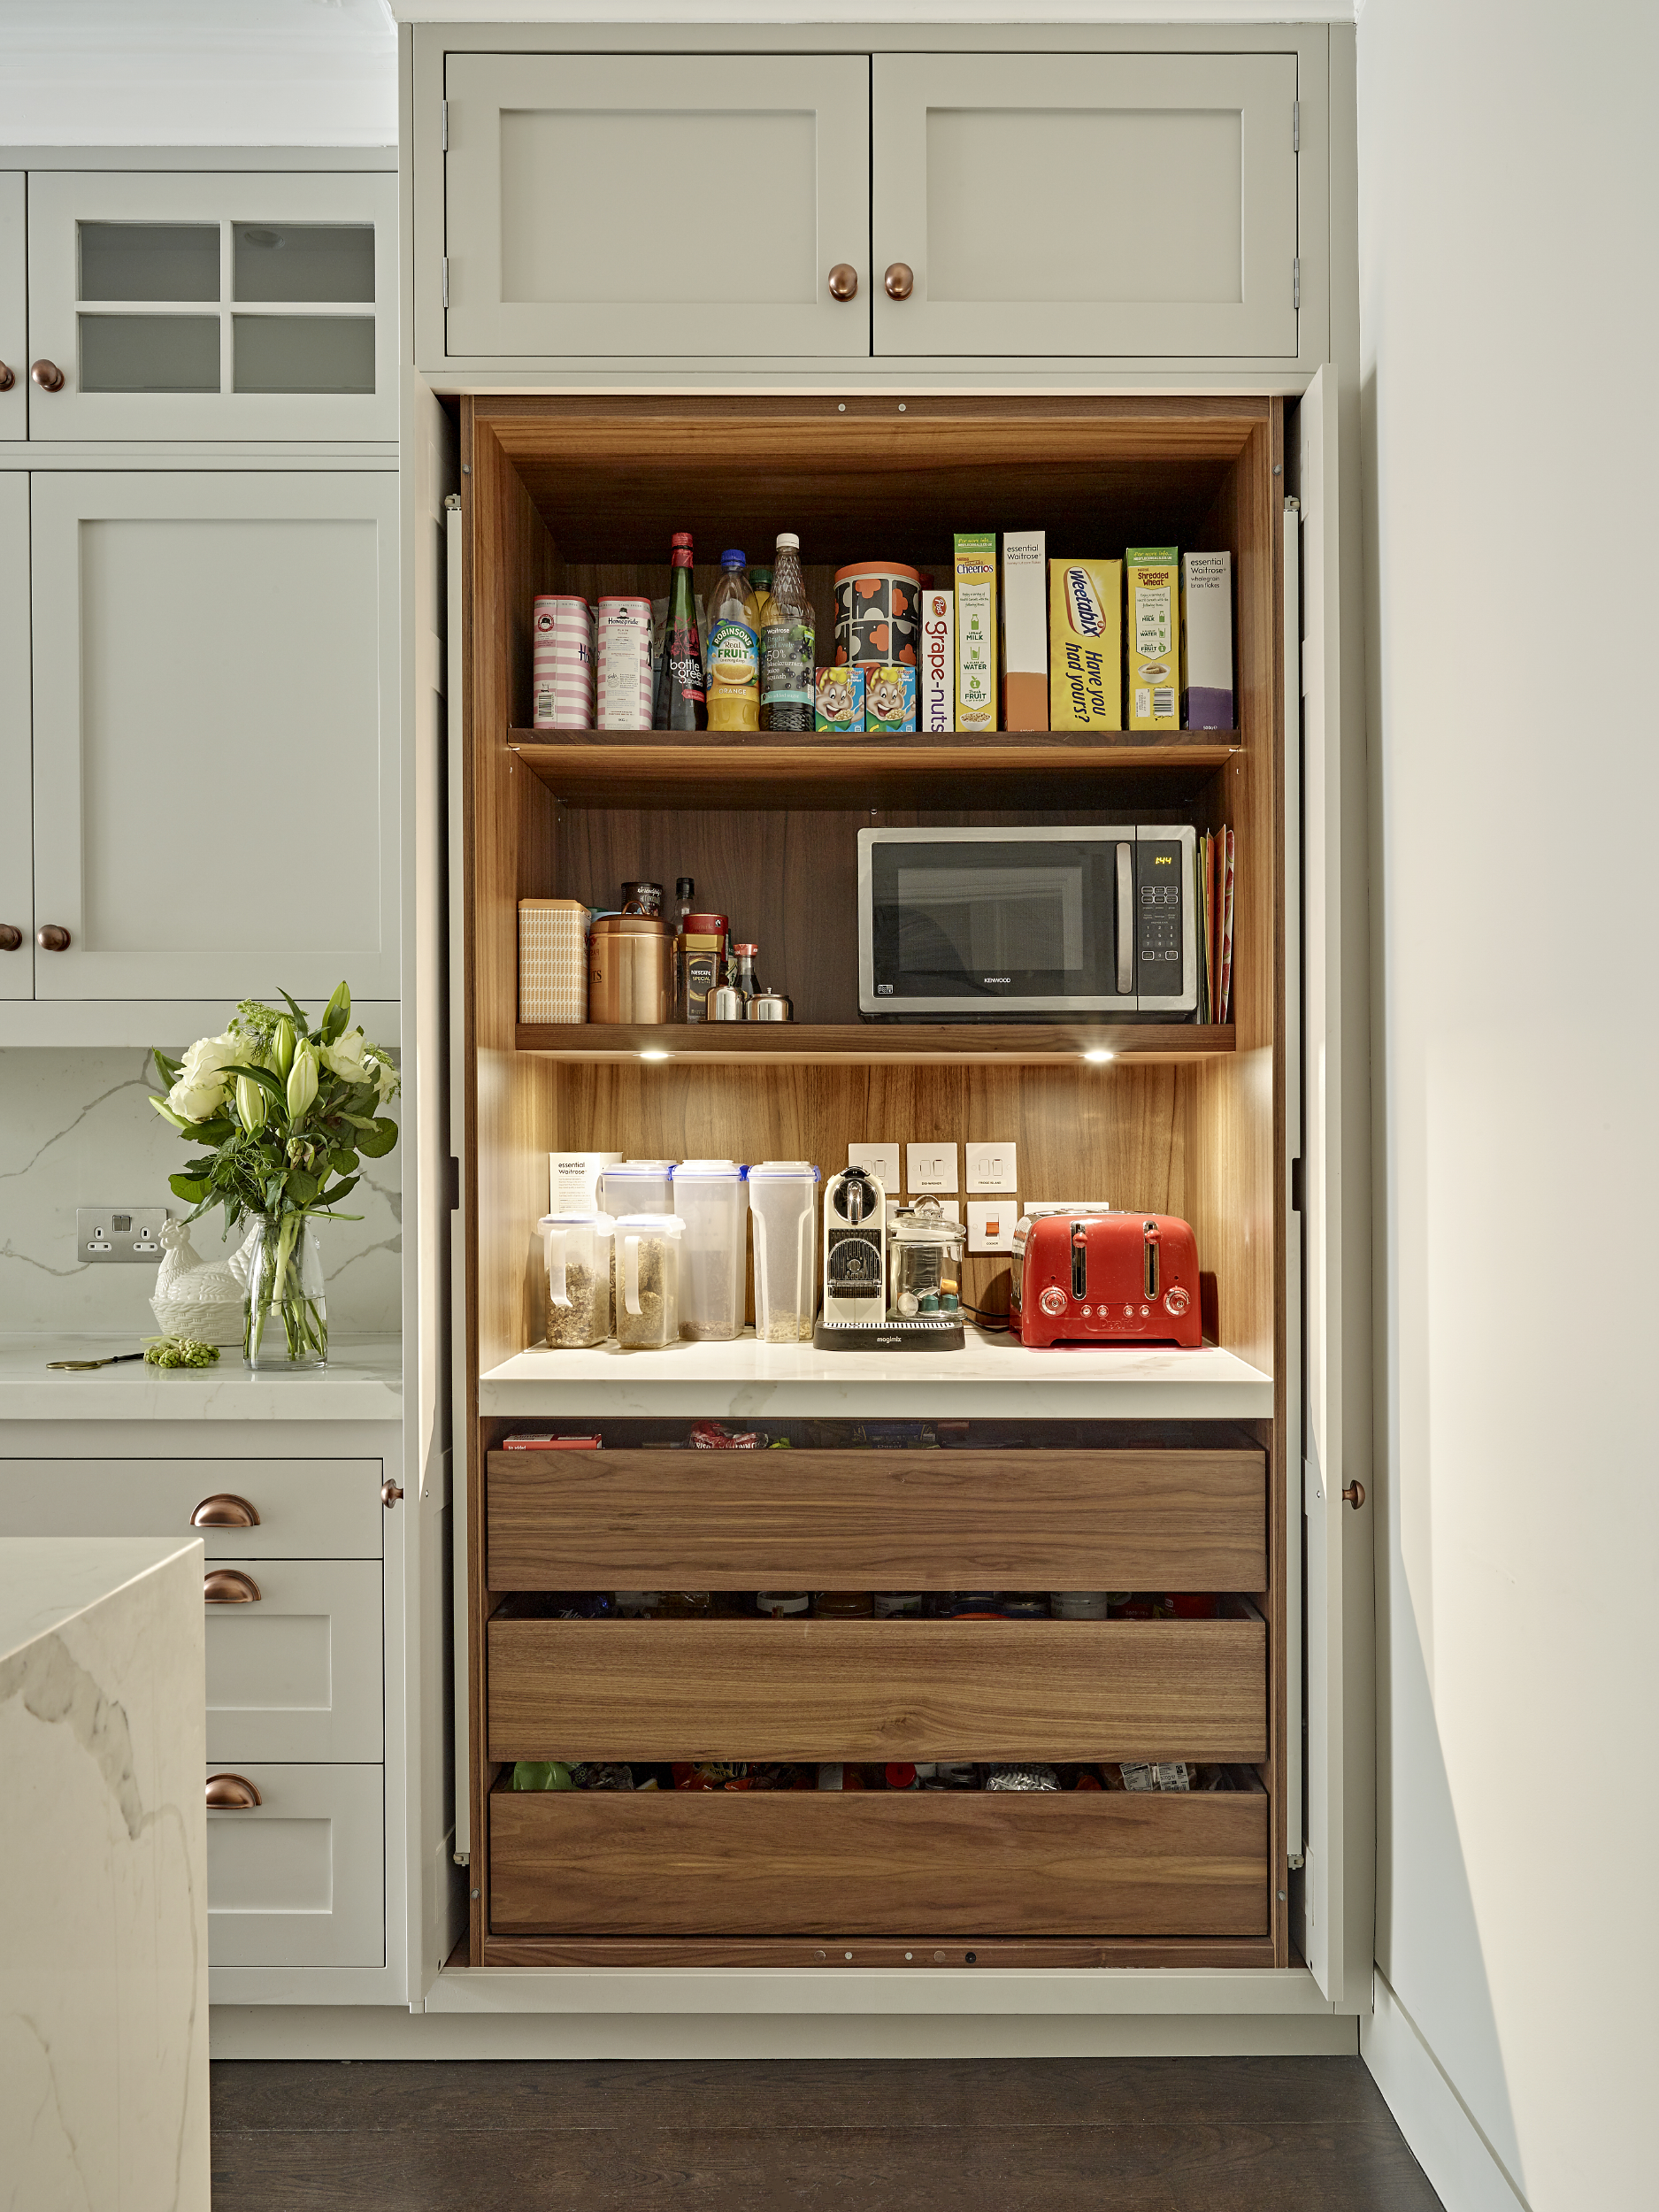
{"type": "Point", "coordinates": [1296, 126]}
{"type": "Point", "coordinates": [1296, 1859]}
{"type": "Point", "coordinates": [443, 124]}
{"type": "Point", "coordinates": [462, 1858]}
{"type": "Point", "coordinates": [444, 268]}
{"type": "Point", "coordinates": [1296, 282]}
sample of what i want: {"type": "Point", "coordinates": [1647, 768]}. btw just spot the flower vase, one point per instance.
{"type": "Point", "coordinates": [285, 1320]}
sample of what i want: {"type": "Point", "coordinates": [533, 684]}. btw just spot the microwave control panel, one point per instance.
{"type": "Point", "coordinates": [1160, 918]}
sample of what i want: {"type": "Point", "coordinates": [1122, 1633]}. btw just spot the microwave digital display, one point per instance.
{"type": "Point", "coordinates": [989, 923]}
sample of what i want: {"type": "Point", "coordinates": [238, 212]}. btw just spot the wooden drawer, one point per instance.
{"type": "Point", "coordinates": [299, 1880]}
{"type": "Point", "coordinates": [922, 1863]}
{"type": "Point", "coordinates": [789, 1689]}
{"type": "Point", "coordinates": [308, 1509]}
{"type": "Point", "coordinates": [296, 1674]}
{"type": "Point", "coordinates": [874, 1520]}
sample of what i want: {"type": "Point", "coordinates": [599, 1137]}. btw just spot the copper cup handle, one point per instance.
{"type": "Point", "coordinates": [1354, 1494]}
{"type": "Point", "coordinates": [900, 280]}
{"type": "Point", "coordinates": [229, 1586]}
{"type": "Point", "coordinates": [843, 281]}
{"type": "Point", "coordinates": [48, 375]}
{"type": "Point", "coordinates": [225, 1509]}
{"type": "Point", "coordinates": [231, 1793]}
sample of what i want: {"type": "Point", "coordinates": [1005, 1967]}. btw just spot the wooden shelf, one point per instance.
{"type": "Point", "coordinates": [704, 768]}
{"type": "Point", "coordinates": [779, 1043]}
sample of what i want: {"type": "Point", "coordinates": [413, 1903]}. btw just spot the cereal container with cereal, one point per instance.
{"type": "Point", "coordinates": [577, 1249]}
{"type": "Point", "coordinates": [647, 1281]}
{"type": "Point", "coordinates": [783, 1205]}
{"type": "Point", "coordinates": [711, 1198]}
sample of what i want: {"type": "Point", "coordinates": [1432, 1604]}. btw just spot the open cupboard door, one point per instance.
{"type": "Point", "coordinates": [1339, 1874]}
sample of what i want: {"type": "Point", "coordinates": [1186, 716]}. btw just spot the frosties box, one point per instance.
{"type": "Point", "coordinates": [1152, 585]}
{"type": "Point", "coordinates": [839, 699]}
{"type": "Point", "coordinates": [936, 694]}
{"type": "Point", "coordinates": [1086, 646]}
{"type": "Point", "coordinates": [976, 629]}
{"type": "Point", "coordinates": [889, 698]}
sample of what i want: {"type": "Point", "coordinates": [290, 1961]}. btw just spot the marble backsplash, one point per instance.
{"type": "Point", "coordinates": [75, 1130]}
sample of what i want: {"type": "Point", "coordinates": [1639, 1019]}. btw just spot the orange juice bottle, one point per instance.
{"type": "Point", "coordinates": [733, 650]}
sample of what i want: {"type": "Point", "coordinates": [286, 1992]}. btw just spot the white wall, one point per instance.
{"type": "Point", "coordinates": [1508, 187]}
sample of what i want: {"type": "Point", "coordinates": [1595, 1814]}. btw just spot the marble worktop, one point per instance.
{"type": "Point", "coordinates": [992, 1377]}
{"type": "Point", "coordinates": [362, 1381]}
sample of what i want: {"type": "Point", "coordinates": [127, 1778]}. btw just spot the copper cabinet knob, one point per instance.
{"type": "Point", "coordinates": [390, 1493]}
{"type": "Point", "coordinates": [843, 281]}
{"type": "Point", "coordinates": [52, 937]}
{"type": "Point", "coordinates": [1354, 1494]}
{"type": "Point", "coordinates": [11, 936]}
{"type": "Point", "coordinates": [8, 377]}
{"type": "Point", "coordinates": [225, 1509]}
{"type": "Point", "coordinates": [900, 280]}
{"type": "Point", "coordinates": [231, 1793]}
{"type": "Point", "coordinates": [48, 375]}
{"type": "Point", "coordinates": [229, 1586]}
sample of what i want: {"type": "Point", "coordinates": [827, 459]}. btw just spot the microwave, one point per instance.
{"type": "Point", "coordinates": [982, 924]}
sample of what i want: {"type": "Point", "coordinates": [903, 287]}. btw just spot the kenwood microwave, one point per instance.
{"type": "Point", "coordinates": [989, 923]}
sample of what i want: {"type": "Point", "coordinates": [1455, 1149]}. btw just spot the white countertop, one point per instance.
{"type": "Point", "coordinates": [992, 1377]}
{"type": "Point", "coordinates": [47, 1580]}
{"type": "Point", "coordinates": [362, 1381]}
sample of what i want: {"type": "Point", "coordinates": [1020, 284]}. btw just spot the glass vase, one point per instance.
{"type": "Point", "coordinates": [285, 1320]}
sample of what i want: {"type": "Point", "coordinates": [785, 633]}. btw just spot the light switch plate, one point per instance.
{"type": "Point", "coordinates": [990, 1167]}
{"type": "Point", "coordinates": [882, 1160]}
{"type": "Point", "coordinates": [991, 1224]}
{"type": "Point", "coordinates": [929, 1169]}
{"type": "Point", "coordinates": [111, 1235]}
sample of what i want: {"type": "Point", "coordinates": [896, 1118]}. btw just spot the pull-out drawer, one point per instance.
{"type": "Point", "coordinates": [901, 1862]}
{"type": "Point", "coordinates": [812, 1690]}
{"type": "Point", "coordinates": [298, 1879]}
{"type": "Point", "coordinates": [875, 1520]}
{"type": "Point", "coordinates": [293, 1672]}
{"type": "Point", "coordinates": [306, 1508]}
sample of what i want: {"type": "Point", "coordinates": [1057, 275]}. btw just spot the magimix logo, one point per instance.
{"type": "Point", "coordinates": [1089, 616]}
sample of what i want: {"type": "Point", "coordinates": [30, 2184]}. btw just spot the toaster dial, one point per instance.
{"type": "Point", "coordinates": [1052, 1299]}
{"type": "Point", "coordinates": [1176, 1301]}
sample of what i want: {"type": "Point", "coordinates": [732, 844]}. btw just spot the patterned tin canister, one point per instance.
{"type": "Point", "coordinates": [877, 608]}
{"type": "Point", "coordinates": [625, 665]}
{"type": "Point", "coordinates": [563, 675]}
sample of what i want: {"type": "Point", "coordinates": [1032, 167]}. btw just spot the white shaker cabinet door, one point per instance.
{"type": "Point", "coordinates": [216, 733]}
{"type": "Point", "coordinates": [298, 1879]}
{"type": "Point", "coordinates": [201, 305]}
{"type": "Point", "coordinates": [294, 1671]}
{"type": "Point", "coordinates": [14, 340]}
{"type": "Point", "coordinates": [1085, 203]}
{"type": "Point", "coordinates": [17, 891]}
{"type": "Point", "coordinates": [655, 204]}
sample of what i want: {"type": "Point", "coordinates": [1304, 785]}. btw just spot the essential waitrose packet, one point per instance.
{"type": "Point", "coordinates": [1025, 630]}
{"type": "Point", "coordinates": [889, 698]}
{"type": "Point", "coordinates": [1207, 641]}
{"type": "Point", "coordinates": [1153, 640]}
{"type": "Point", "coordinates": [936, 692]}
{"type": "Point", "coordinates": [976, 629]}
{"type": "Point", "coordinates": [1085, 645]}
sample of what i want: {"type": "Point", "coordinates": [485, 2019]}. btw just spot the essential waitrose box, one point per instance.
{"type": "Point", "coordinates": [1207, 641]}
{"type": "Point", "coordinates": [1152, 589]}
{"type": "Point", "coordinates": [1025, 630]}
{"type": "Point", "coordinates": [936, 687]}
{"type": "Point", "coordinates": [1085, 645]}
{"type": "Point", "coordinates": [976, 629]}
{"type": "Point", "coordinates": [573, 1179]}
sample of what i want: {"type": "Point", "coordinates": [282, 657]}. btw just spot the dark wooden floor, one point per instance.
{"type": "Point", "coordinates": [1169, 2135]}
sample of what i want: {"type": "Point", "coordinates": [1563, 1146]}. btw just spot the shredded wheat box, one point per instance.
{"type": "Point", "coordinates": [553, 960]}
{"type": "Point", "coordinates": [1206, 640]}
{"type": "Point", "coordinates": [976, 629]}
{"type": "Point", "coordinates": [1152, 582]}
{"type": "Point", "coordinates": [1025, 631]}
{"type": "Point", "coordinates": [1085, 645]}
{"type": "Point", "coordinates": [936, 692]}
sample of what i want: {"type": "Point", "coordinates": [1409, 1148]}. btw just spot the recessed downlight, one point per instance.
{"type": "Point", "coordinates": [1097, 1055]}
{"type": "Point", "coordinates": [653, 1052]}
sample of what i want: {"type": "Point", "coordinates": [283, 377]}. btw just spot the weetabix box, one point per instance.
{"type": "Point", "coordinates": [976, 629]}
{"type": "Point", "coordinates": [936, 690]}
{"type": "Point", "coordinates": [1152, 583]}
{"type": "Point", "coordinates": [1207, 641]}
{"type": "Point", "coordinates": [1085, 645]}
{"type": "Point", "coordinates": [1025, 631]}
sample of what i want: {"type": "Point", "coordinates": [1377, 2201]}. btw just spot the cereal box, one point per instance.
{"type": "Point", "coordinates": [1206, 640]}
{"type": "Point", "coordinates": [1086, 646]}
{"type": "Point", "coordinates": [1151, 577]}
{"type": "Point", "coordinates": [976, 629]}
{"type": "Point", "coordinates": [889, 698]}
{"type": "Point", "coordinates": [840, 699]}
{"type": "Point", "coordinates": [1025, 631]}
{"type": "Point", "coordinates": [936, 697]}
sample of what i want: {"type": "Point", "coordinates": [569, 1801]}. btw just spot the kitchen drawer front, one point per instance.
{"type": "Point", "coordinates": [299, 1880]}
{"type": "Point", "coordinates": [308, 1509]}
{"type": "Point", "coordinates": [901, 1862]}
{"type": "Point", "coordinates": [296, 1673]}
{"type": "Point", "coordinates": [873, 1520]}
{"type": "Point", "coordinates": [813, 1690]}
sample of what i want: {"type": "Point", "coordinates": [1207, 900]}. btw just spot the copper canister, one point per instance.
{"type": "Point", "coordinates": [630, 969]}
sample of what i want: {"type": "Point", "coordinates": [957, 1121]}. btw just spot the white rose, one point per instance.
{"type": "Point", "coordinates": [344, 1058]}
{"type": "Point", "coordinates": [202, 1088]}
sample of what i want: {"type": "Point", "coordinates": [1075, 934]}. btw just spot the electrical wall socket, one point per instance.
{"type": "Point", "coordinates": [930, 1168]}
{"type": "Point", "coordinates": [990, 1167]}
{"type": "Point", "coordinates": [106, 1236]}
{"type": "Point", "coordinates": [991, 1224]}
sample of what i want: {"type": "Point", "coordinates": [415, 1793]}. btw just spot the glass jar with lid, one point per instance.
{"type": "Point", "coordinates": [925, 1255]}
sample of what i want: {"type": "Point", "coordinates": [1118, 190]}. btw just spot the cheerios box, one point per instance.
{"type": "Point", "coordinates": [1085, 645]}
{"type": "Point", "coordinates": [975, 564]}
{"type": "Point", "coordinates": [1152, 640]}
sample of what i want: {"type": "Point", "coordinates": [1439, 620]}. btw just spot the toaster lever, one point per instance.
{"type": "Point", "coordinates": [1079, 1261]}
{"type": "Point", "coordinates": [1149, 1231]}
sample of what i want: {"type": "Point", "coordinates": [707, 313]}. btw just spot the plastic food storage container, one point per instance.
{"type": "Point", "coordinates": [636, 1187]}
{"type": "Point", "coordinates": [711, 1197]}
{"type": "Point", "coordinates": [783, 1199]}
{"type": "Point", "coordinates": [647, 1286]}
{"type": "Point", "coordinates": [577, 1250]}
{"type": "Point", "coordinates": [926, 1252]}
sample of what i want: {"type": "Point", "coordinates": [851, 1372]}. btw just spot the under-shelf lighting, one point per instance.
{"type": "Point", "coordinates": [652, 1052]}
{"type": "Point", "coordinates": [1097, 1054]}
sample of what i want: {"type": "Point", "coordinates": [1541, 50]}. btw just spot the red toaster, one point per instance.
{"type": "Point", "coordinates": [1104, 1278]}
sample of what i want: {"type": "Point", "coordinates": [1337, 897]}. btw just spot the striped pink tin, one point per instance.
{"type": "Point", "coordinates": [625, 665]}
{"type": "Point", "coordinates": [563, 669]}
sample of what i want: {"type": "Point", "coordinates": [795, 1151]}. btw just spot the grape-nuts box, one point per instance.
{"type": "Point", "coordinates": [1152, 578]}
{"type": "Point", "coordinates": [936, 694]}
{"type": "Point", "coordinates": [889, 698]}
{"type": "Point", "coordinates": [840, 700]}
{"type": "Point", "coordinates": [1085, 645]}
{"type": "Point", "coordinates": [1206, 640]}
{"type": "Point", "coordinates": [976, 629]}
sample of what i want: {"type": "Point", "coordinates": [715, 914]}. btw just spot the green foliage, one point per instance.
{"type": "Point", "coordinates": [179, 1351]}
